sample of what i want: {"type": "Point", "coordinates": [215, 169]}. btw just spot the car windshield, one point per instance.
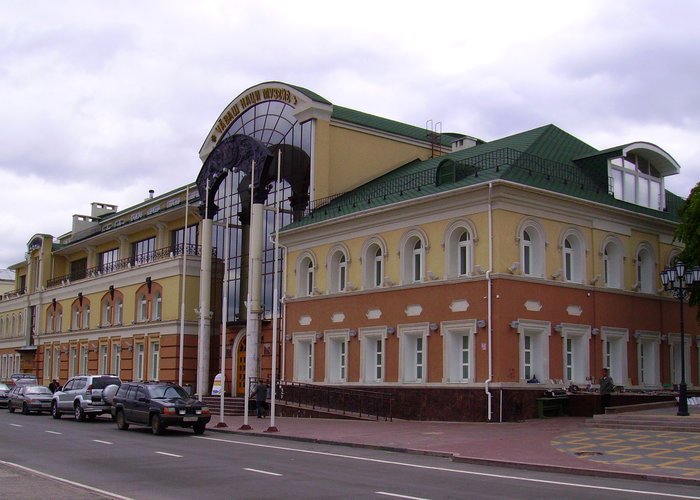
{"type": "Point", "coordinates": [167, 392]}
{"type": "Point", "coordinates": [102, 382]}
{"type": "Point", "coordinates": [37, 389]}
{"type": "Point", "coordinates": [4, 387]}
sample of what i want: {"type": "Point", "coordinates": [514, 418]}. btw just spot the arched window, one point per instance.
{"type": "Point", "coordinates": [646, 277]}
{"type": "Point", "coordinates": [337, 265]}
{"type": "Point", "coordinates": [373, 255]}
{"type": "Point", "coordinates": [306, 275]}
{"type": "Point", "coordinates": [143, 307]}
{"type": "Point", "coordinates": [413, 246]}
{"type": "Point", "coordinates": [573, 257]}
{"type": "Point", "coordinates": [613, 269]}
{"type": "Point", "coordinates": [157, 306]}
{"type": "Point", "coordinates": [532, 242]}
{"type": "Point", "coordinates": [75, 317]}
{"type": "Point", "coordinates": [86, 316]}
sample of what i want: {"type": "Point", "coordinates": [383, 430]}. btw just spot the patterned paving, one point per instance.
{"type": "Point", "coordinates": [654, 452]}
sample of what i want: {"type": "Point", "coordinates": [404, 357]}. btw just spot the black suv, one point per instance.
{"type": "Point", "coordinates": [160, 405]}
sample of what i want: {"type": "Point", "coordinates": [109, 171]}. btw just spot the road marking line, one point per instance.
{"type": "Point", "coordinates": [445, 469]}
{"type": "Point", "coordinates": [100, 441]}
{"type": "Point", "coordinates": [66, 481]}
{"type": "Point", "coordinates": [168, 454]}
{"type": "Point", "coordinates": [53, 432]}
{"type": "Point", "coordinates": [386, 493]}
{"type": "Point", "coordinates": [16, 425]}
{"type": "Point", "coordinates": [262, 471]}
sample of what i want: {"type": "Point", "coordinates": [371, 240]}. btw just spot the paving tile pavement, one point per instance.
{"type": "Point", "coordinates": [558, 444]}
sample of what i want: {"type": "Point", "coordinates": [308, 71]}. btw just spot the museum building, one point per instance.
{"type": "Point", "coordinates": [461, 277]}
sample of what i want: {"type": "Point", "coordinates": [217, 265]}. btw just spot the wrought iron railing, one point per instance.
{"type": "Point", "coordinates": [526, 163]}
{"type": "Point", "coordinates": [343, 400]}
{"type": "Point", "coordinates": [135, 260]}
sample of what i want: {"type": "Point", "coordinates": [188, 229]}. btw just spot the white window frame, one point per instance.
{"type": "Point", "coordinates": [106, 319]}
{"type": "Point", "coordinates": [84, 359]}
{"type": "Point", "coordinates": [579, 364]}
{"type": "Point", "coordinates": [104, 358]}
{"type": "Point", "coordinates": [458, 251]}
{"type": "Point", "coordinates": [372, 354]}
{"type": "Point", "coordinates": [412, 258]}
{"type": "Point", "coordinates": [157, 306]}
{"type": "Point", "coordinates": [86, 317]}
{"type": "Point", "coordinates": [47, 362]}
{"type": "Point", "coordinates": [143, 307]}
{"type": "Point", "coordinates": [539, 332]}
{"type": "Point", "coordinates": [674, 357]}
{"type": "Point", "coordinates": [373, 257]}
{"type": "Point", "coordinates": [454, 334]}
{"type": "Point", "coordinates": [337, 343]}
{"type": "Point", "coordinates": [648, 358]}
{"type": "Point", "coordinates": [627, 181]}
{"type": "Point", "coordinates": [119, 312]}
{"type": "Point", "coordinates": [614, 343]}
{"type": "Point", "coordinates": [72, 360]}
{"type": "Point", "coordinates": [154, 360]}
{"type": "Point", "coordinates": [532, 242]}
{"type": "Point", "coordinates": [304, 356]}
{"type": "Point", "coordinates": [413, 358]}
{"type": "Point", "coordinates": [337, 266]}
{"type": "Point", "coordinates": [573, 249]}
{"type": "Point", "coordinates": [306, 274]}
{"type": "Point", "coordinates": [645, 269]}
{"type": "Point", "coordinates": [56, 362]}
{"type": "Point", "coordinates": [613, 263]}
{"type": "Point", "coordinates": [116, 359]}
{"type": "Point", "coordinates": [139, 360]}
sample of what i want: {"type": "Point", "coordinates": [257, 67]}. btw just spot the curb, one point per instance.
{"type": "Point", "coordinates": [478, 461]}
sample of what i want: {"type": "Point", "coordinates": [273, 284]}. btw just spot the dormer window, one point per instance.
{"type": "Point", "coordinates": [635, 179]}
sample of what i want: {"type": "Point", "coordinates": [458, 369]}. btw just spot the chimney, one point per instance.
{"type": "Point", "coordinates": [150, 193]}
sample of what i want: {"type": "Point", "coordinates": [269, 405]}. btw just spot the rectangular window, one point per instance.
{"type": "Point", "coordinates": [138, 362]}
{"type": "Point", "coordinates": [342, 360]}
{"type": "Point", "coordinates": [528, 357]}
{"type": "Point", "coordinates": [73, 361]}
{"type": "Point", "coordinates": [309, 361]}
{"type": "Point", "coordinates": [465, 357]}
{"type": "Point", "coordinates": [419, 358]}
{"type": "Point", "coordinates": [154, 361]}
{"type": "Point", "coordinates": [47, 363]}
{"type": "Point", "coordinates": [84, 359]}
{"type": "Point", "coordinates": [180, 239]}
{"type": "Point", "coordinates": [143, 251]}
{"type": "Point", "coordinates": [569, 359]}
{"type": "Point", "coordinates": [103, 359]}
{"type": "Point", "coordinates": [378, 358]}
{"type": "Point", "coordinates": [78, 269]}
{"type": "Point", "coordinates": [56, 362]}
{"type": "Point", "coordinates": [108, 260]}
{"type": "Point", "coordinates": [378, 271]}
{"type": "Point", "coordinates": [116, 359]}
{"type": "Point", "coordinates": [526, 260]}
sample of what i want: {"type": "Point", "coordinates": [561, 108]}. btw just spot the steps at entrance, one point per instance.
{"type": "Point", "coordinates": [232, 406]}
{"type": "Point", "coordinates": [632, 421]}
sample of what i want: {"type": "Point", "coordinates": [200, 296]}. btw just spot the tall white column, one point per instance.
{"type": "Point", "coordinates": [255, 290]}
{"type": "Point", "coordinates": [204, 311]}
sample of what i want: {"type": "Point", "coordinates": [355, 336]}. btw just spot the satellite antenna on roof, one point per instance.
{"type": "Point", "coordinates": [433, 131]}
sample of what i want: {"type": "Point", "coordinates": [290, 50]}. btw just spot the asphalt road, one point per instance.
{"type": "Point", "coordinates": [136, 464]}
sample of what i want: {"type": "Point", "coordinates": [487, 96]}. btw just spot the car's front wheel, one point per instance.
{"type": "Point", "coordinates": [122, 425]}
{"type": "Point", "coordinates": [55, 412]}
{"type": "Point", "coordinates": [157, 425]}
{"type": "Point", "coordinates": [10, 408]}
{"type": "Point", "coordinates": [79, 413]}
{"type": "Point", "coordinates": [25, 409]}
{"type": "Point", "coordinates": [199, 427]}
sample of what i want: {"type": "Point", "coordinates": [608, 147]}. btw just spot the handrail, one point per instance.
{"type": "Point", "coordinates": [135, 260]}
{"type": "Point", "coordinates": [346, 400]}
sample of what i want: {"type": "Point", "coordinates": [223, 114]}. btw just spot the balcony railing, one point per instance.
{"type": "Point", "coordinates": [133, 261]}
{"type": "Point", "coordinates": [13, 293]}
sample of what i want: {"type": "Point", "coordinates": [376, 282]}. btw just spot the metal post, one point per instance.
{"type": "Point", "coordinates": [275, 297]}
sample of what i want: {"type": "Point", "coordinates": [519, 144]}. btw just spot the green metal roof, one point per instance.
{"type": "Point", "coordinates": [545, 157]}
{"type": "Point", "coordinates": [386, 125]}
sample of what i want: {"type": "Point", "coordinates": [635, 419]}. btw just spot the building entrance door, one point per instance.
{"type": "Point", "coordinates": [240, 368]}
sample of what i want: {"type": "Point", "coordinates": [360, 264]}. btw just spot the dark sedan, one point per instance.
{"type": "Point", "coordinates": [29, 398]}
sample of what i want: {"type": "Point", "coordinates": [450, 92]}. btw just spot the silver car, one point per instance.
{"type": "Point", "coordinates": [29, 398]}
{"type": "Point", "coordinates": [81, 396]}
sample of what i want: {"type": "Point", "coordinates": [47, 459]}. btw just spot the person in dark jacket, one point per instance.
{"type": "Point", "coordinates": [260, 398]}
{"type": "Point", "coordinates": [54, 386]}
{"type": "Point", "coordinates": [606, 388]}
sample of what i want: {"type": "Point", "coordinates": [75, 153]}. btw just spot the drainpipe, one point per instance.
{"type": "Point", "coordinates": [489, 308]}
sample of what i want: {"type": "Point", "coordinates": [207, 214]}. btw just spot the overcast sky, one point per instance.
{"type": "Point", "coordinates": [102, 101]}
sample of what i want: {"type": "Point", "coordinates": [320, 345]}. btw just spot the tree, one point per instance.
{"type": "Point", "coordinates": [688, 233]}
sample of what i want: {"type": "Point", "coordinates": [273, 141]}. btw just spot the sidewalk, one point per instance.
{"type": "Point", "coordinates": [561, 444]}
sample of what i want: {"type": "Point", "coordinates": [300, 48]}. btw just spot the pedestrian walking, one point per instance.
{"type": "Point", "coordinates": [260, 398]}
{"type": "Point", "coordinates": [607, 386]}
{"type": "Point", "coordinates": [54, 385]}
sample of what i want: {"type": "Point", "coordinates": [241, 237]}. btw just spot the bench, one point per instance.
{"type": "Point", "coordinates": [551, 407]}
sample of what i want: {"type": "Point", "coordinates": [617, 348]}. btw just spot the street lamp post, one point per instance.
{"type": "Point", "coordinates": [680, 281]}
